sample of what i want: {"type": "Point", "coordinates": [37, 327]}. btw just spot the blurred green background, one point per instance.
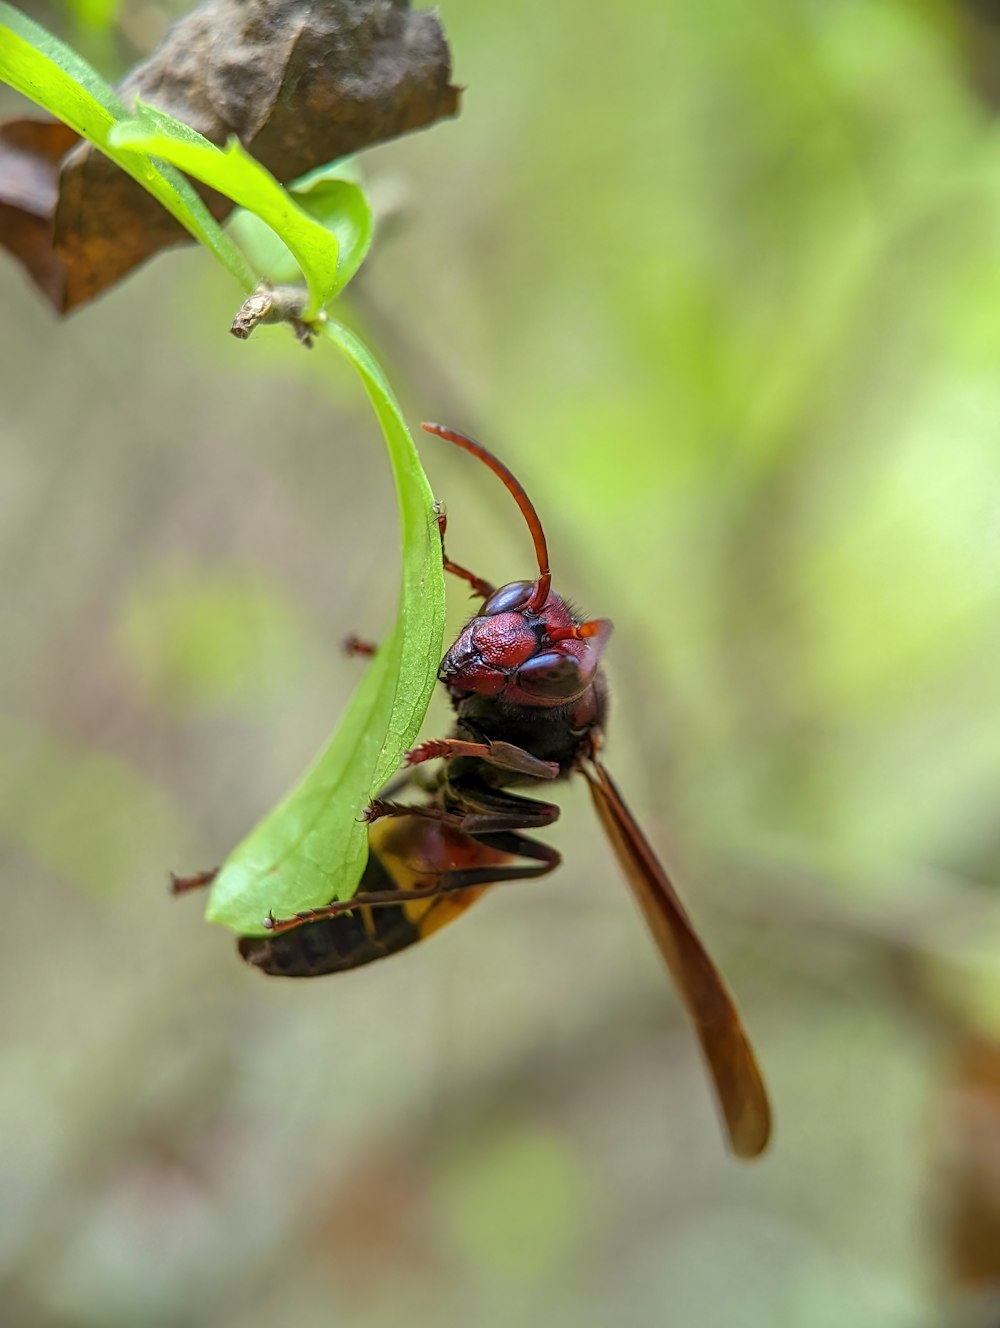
{"type": "Point", "coordinates": [722, 283]}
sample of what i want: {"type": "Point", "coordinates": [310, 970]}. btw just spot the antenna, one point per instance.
{"type": "Point", "coordinates": [541, 591]}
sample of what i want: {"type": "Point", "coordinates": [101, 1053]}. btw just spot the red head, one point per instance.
{"type": "Point", "coordinates": [525, 646]}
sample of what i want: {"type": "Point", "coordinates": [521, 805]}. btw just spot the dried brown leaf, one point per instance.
{"type": "Point", "coordinates": [30, 152]}
{"type": "Point", "coordinates": [298, 82]}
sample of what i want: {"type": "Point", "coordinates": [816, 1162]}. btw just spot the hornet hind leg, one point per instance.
{"type": "Point", "coordinates": [537, 860]}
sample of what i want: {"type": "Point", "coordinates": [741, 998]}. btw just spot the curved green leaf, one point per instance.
{"type": "Point", "coordinates": [57, 79]}
{"type": "Point", "coordinates": [337, 203]}
{"type": "Point", "coordinates": [312, 848]}
{"type": "Point", "coordinates": [233, 172]}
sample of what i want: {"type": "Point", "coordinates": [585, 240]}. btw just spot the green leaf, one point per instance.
{"type": "Point", "coordinates": [311, 848]}
{"type": "Point", "coordinates": [57, 79]}
{"type": "Point", "coordinates": [339, 204]}
{"type": "Point", "coordinates": [233, 172]}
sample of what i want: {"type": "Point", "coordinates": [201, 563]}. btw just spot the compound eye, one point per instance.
{"type": "Point", "coordinates": [551, 675]}
{"type": "Point", "coordinates": [508, 598]}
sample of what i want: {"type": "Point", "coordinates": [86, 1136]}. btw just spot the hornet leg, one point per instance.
{"type": "Point", "coordinates": [541, 860]}
{"type": "Point", "coordinates": [179, 885]}
{"type": "Point", "coordinates": [502, 754]}
{"type": "Point", "coordinates": [479, 587]}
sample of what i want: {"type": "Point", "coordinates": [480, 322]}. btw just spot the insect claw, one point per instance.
{"type": "Point", "coordinates": [179, 885]}
{"type": "Point", "coordinates": [354, 645]}
{"type": "Point", "coordinates": [270, 922]}
{"type": "Point", "coordinates": [425, 751]}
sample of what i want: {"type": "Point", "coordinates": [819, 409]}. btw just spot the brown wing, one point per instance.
{"type": "Point", "coordinates": [731, 1062]}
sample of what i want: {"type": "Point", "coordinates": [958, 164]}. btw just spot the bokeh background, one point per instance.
{"type": "Point", "coordinates": [721, 281]}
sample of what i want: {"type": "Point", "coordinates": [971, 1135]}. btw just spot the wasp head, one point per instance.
{"type": "Point", "coordinates": [526, 657]}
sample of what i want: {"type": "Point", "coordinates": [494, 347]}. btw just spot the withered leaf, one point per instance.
{"type": "Point", "coordinates": [30, 152]}
{"type": "Point", "coordinates": [299, 82]}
